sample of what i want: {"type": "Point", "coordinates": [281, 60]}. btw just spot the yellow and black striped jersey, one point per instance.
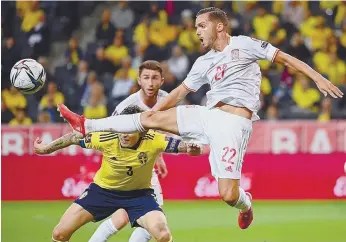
{"type": "Point", "coordinates": [126, 169]}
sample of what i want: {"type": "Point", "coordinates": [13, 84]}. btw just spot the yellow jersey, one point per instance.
{"type": "Point", "coordinates": [58, 97]}
{"type": "Point", "coordinates": [125, 169]}
{"type": "Point", "coordinates": [26, 121]}
{"type": "Point", "coordinates": [99, 111]}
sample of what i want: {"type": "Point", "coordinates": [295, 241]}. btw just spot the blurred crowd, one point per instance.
{"type": "Point", "coordinates": [95, 79]}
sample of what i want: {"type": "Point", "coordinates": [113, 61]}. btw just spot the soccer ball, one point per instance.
{"type": "Point", "coordinates": [28, 76]}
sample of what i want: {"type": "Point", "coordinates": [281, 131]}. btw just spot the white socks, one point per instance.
{"type": "Point", "coordinates": [127, 123]}
{"type": "Point", "coordinates": [140, 235]}
{"type": "Point", "coordinates": [104, 232]}
{"type": "Point", "coordinates": [107, 229]}
{"type": "Point", "coordinates": [244, 202]}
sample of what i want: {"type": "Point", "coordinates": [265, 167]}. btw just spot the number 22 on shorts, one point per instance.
{"type": "Point", "coordinates": [227, 157]}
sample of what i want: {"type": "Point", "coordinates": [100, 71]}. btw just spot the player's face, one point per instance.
{"type": "Point", "coordinates": [206, 31]}
{"type": "Point", "coordinates": [150, 82]}
{"type": "Point", "coordinates": [129, 140]}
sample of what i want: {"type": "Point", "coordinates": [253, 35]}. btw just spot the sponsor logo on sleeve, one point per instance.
{"type": "Point", "coordinates": [264, 44]}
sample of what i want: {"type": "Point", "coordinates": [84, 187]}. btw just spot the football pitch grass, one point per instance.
{"type": "Point", "coordinates": [195, 221]}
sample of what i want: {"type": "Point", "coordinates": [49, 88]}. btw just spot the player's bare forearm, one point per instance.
{"type": "Point", "coordinates": [172, 99]}
{"type": "Point", "coordinates": [295, 64]}
{"type": "Point", "coordinates": [324, 85]}
{"type": "Point", "coordinates": [58, 144]}
{"type": "Point", "coordinates": [161, 166]}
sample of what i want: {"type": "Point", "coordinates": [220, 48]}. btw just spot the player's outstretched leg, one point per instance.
{"type": "Point", "coordinates": [74, 217]}
{"type": "Point", "coordinates": [110, 226]}
{"type": "Point", "coordinates": [235, 196]}
{"type": "Point", "coordinates": [156, 224]}
{"type": "Point", "coordinates": [164, 121]}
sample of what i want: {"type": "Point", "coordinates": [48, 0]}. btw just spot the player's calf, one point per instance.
{"type": "Point", "coordinates": [229, 190]}
{"type": "Point", "coordinates": [233, 194]}
{"type": "Point", "coordinates": [229, 194]}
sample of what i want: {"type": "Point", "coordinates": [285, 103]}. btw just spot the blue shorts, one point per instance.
{"type": "Point", "coordinates": [102, 203]}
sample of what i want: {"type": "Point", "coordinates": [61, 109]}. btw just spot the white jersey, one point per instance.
{"type": "Point", "coordinates": [135, 99]}
{"type": "Point", "coordinates": [233, 74]}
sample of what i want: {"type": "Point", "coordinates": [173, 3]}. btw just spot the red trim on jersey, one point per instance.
{"type": "Point", "coordinates": [191, 90]}
{"type": "Point", "coordinates": [276, 52]}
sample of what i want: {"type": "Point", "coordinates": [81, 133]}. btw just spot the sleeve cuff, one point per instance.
{"type": "Point", "coordinates": [272, 52]}
{"type": "Point", "coordinates": [190, 89]}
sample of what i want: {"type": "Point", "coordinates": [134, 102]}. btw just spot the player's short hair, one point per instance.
{"type": "Point", "coordinates": [214, 14]}
{"type": "Point", "coordinates": [132, 110]}
{"type": "Point", "coordinates": [150, 65]}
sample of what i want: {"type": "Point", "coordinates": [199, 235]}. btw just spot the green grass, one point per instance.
{"type": "Point", "coordinates": [190, 221]}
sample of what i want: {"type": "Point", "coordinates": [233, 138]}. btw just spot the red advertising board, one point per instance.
{"type": "Point", "coordinates": [285, 160]}
{"type": "Point", "coordinates": [46, 178]}
{"type": "Point", "coordinates": [266, 176]}
{"type": "Point", "coordinates": [268, 137]}
{"type": "Point", "coordinates": [300, 176]}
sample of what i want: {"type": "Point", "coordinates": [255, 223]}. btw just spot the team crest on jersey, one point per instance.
{"type": "Point", "coordinates": [142, 157]}
{"type": "Point", "coordinates": [235, 54]}
{"type": "Point", "coordinates": [87, 138]}
{"type": "Point", "coordinates": [83, 195]}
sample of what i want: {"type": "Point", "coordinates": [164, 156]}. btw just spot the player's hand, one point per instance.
{"type": "Point", "coordinates": [39, 147]}
{"type": "Point", "coordinates": [326, 87]}
{"type": "Point", "coordinates": [194, 149]}
{"type": "Point", "coordinates": [161, 167]}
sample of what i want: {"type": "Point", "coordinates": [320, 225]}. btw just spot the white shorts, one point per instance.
{"type": "Point", "coordinates": [227, 135]}
{"type": "Point", "coordinates": [155, 183]}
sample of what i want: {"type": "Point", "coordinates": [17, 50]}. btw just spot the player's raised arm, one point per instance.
{"type": "Point", "coordinates": [172, 99]}
{"type": "Point", "coordinates": [58, 144]}
{"type": "Point", "coordinates": [194, 80]}
{"type": "Point", "coordinates": [259, 49]}
{"type": "Point", "coordinates": [324, 85]}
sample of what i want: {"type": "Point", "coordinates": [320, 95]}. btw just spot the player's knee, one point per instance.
{"type": "Point", "coordinates": [161, 232]}
{"type": "Point", "coordinates": [164, 236]}
{"type": "Point", "coordinates": [230, 195]}
{"type": "Point", "coordinates": [60, 235]}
